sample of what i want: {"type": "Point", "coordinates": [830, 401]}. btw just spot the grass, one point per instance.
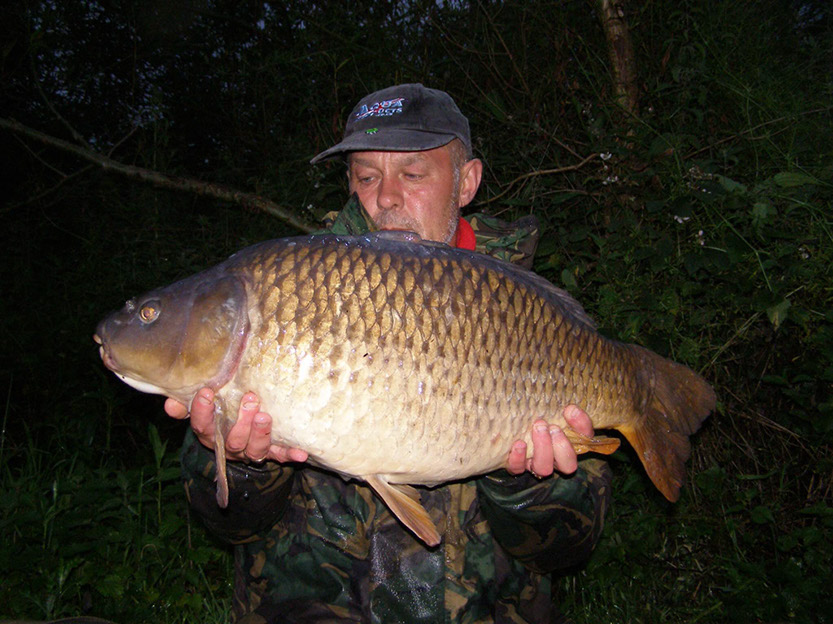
{"type": "Point", "coordinates": [90, 531]}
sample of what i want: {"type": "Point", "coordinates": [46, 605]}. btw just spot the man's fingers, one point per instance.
{"type": "Point", "coordinates": [237, 438]}
{"type": "Point", "coordinates": [202, 415]}
{"type": "Point", "coordinates": [516, 463]}
{"type": "Point", "coordinates": [249, 438]}
{"type": "Point", "coordinates": [297, 455]}
{"type": "Point", "coordinates": [284, 454]}
{"type": "Point", "coordinates": [564, 455]}
{"type": "Point", "coordinates": [578, 420]}
{"type": "Point", "coordinates": [542, 450]}
{"type": "Point", "coordinates": [175, 409]}
{"type": "Point", "coordinates": [260, 437]}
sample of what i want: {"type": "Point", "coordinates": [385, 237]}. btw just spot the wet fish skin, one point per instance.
{"type": "Point", "coordinates": [399, 362]}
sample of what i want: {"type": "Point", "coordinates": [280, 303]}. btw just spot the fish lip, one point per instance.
{"type": "Point", "coordinates": [108, 359]}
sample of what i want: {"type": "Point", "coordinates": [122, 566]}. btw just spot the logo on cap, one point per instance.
{"type": "Point", "coordinates": [385, 108]}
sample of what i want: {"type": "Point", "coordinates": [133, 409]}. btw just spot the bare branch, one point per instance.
{"type": "Point", "coordinates": [539, 172]}
{"type": "Point", "coordinates": [72, 131]}
{"type": "Point", "coordinates": [64, 179]}
{"type": "Point", "coordinates": [162, 180]}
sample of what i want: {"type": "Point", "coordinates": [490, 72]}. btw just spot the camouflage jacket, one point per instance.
{"type": "Point", "coordinates": [313, 547]}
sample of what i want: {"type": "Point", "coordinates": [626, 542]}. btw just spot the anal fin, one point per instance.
{"type": "Point", "coordinates": [403, 501]}
{"type": "Point", "coordinates": [598, 444]}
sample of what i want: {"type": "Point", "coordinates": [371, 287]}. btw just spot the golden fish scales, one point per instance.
{"type": "Point", "coordinates": [397, 362]}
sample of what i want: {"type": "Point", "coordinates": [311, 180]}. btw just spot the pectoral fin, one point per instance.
{"type": "Point", "coordinates": [220, 460]}
{"type": "Point", "coordinates": [403, 501]}
{"type": "Point", "coordinates": [221, 428]}
{"type": "Point", "coordinates": [598, 444]}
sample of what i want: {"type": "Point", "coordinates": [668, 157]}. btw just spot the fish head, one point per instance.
{"type": "Point", "coordinates": [175, 340]}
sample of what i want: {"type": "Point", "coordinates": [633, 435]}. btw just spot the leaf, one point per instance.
{"type": "Point", "coordinates": [496, 106]}
{"type": "Point", "coordinates": [762, 515]}
{"type": "Point", "coordinates": [730, 185]}
{"type": "Point", "coordinates": [788, 179]}
{"type": "Point", "coordinates": [761, 211]}
{"type": "Point", "coordinates": [568, 280]}
{"type": "Point", "coordinates": [819, 510]}
{"type": "Point", "coordinates": [156, 443]}
{"type": "Point", "coordinates": [776, 380]}
{"type": "Point", "coordinates": [778, 313]}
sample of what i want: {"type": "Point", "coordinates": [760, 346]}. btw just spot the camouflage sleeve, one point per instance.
{"type": "Point", "coordinates": [350, 220]}
{"type": "Point", "coordinates": [549, 524]}
{"type": "Point", "coordinates": [258, 495]}
{"type": "Point", "coordinates": [514, 242]}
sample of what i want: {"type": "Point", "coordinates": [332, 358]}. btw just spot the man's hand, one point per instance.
{"type": "Point", "coordinates": [249, 438]}
{"type": "Point", "coordinates": [551, 450]}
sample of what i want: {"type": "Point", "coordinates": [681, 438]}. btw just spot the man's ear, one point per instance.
{"type": "Point", "coordinates": [470, 174]}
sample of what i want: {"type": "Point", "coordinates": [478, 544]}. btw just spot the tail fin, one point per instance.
{"type": "Point", "coordinates": [679, 402]}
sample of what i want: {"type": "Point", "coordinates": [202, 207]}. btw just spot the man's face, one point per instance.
{"type": "Point", "coordinates": [416, 191]}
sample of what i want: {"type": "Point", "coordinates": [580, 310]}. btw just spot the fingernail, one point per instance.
{"type": "Point", "coordinates": [250, 405]}
{"type": "Point", "coordinates": [261, 419]}
{"type": "Point", "coordinates": [541, 428]}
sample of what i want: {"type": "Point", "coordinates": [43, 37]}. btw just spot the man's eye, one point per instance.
{"type": "Point", "coordinates": [414, 176]}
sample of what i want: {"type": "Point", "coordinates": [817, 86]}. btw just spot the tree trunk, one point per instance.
{"type": "Point", "coordinates": [620, 53]}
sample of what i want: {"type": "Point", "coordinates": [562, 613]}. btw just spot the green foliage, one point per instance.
{"type": "Point", "coordinates": [702, 228]}
{"type": "Point", "coordinates": [96, 535]}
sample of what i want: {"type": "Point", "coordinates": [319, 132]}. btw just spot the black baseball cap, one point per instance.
{"type": "Point", "coordinates": [404, 118]}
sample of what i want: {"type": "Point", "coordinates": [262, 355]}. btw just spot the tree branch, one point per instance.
{"type": "Point", "coordinates": [539, 172]}
{"type": "Point", "coordinates": [162, 180]}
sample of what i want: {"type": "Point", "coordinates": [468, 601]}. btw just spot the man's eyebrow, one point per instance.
{"type": "Point", "coordinates": [358, 160]}
{"type": "Point", "coordinates": [410, 159]}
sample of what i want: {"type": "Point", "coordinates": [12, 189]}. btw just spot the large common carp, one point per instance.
{"type": "Point", "coordinates": [397, 361]}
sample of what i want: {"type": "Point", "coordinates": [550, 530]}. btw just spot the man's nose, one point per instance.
{"type": "Point", "coordinates": [390, 194]}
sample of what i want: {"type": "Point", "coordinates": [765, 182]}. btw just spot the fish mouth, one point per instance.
{"type": "Point", "coordinates": [108, 360]}
{"type": "Point", "coordinates": [110, 363]}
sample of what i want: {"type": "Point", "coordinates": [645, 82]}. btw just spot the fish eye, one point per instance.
{"type": "Point", "coordinates": [150, 312]}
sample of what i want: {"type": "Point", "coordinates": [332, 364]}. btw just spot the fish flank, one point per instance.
{"type": "Point", "coordinates": [404, 361]}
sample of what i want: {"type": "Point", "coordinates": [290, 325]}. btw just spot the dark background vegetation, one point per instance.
{"type": "Point", "coordinates": [700, 226]}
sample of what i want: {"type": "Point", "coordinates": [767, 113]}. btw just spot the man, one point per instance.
{"type": "Point", "coordinates": [313, 547]}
